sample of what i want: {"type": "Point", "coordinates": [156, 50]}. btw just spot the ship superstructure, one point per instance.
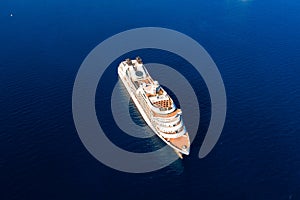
{"type": "Point", "coordinates": [155, 105]}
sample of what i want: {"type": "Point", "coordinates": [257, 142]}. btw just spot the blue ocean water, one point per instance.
{"type": "Point", "coordinates": [256, 46]}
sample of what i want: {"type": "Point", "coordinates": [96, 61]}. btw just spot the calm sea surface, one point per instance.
{"type": "Point", "coordinates": [256, 46]}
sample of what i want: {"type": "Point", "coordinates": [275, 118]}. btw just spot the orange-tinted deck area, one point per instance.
{"type": "Point", "coordinates": [163, 103]}
{"type": "Point", "coordinates": [181, 141]}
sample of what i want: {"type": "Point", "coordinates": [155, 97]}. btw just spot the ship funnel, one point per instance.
{"type": "Point", "coordinates": [128, 61]}
{"type": "Point", "coordinates": [139, 60]}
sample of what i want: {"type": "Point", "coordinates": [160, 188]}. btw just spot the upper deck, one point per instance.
{"type": "Point", "coordinates": [140, 78]}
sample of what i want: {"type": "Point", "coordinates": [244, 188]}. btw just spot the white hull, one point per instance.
{"type": "Point", "coordinates": [145, 116]}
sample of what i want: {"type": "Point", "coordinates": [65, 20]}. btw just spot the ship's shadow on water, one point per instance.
{"type": "Point", "coordinates": [135, 115]}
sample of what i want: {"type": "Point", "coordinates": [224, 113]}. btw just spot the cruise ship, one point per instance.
{"type": "Point", "coordinates": [155, 105]}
